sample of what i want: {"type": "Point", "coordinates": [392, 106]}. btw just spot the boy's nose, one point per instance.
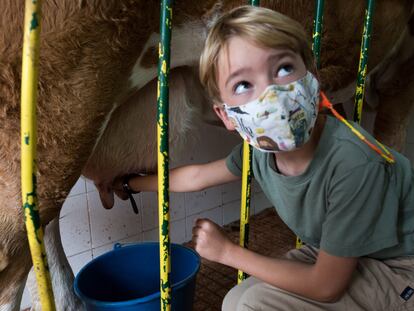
{"type": "Point", "coordinates": [270, 79]}
{"type": "Point", "coordinates": [261, 87]}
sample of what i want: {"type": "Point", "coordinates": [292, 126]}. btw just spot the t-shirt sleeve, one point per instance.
{"type": "Point", "coordinates": [362, 212]}
{"type": "Point", "coordinates": [234, 160]}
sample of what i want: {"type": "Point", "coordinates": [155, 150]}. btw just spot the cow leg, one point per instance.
{"type": "Point", "coordinates": [15, 261]}
{"type": "Point", "coordinates": [395, 87]}
{"type": "Point", "coordinates": [393, 116]}
{"type": "Point", "coordinates": [11, 295]}
{"type": "Point", "coordinates": [14, 300]}
{"type": "Point", "coordinates": [60, 271]}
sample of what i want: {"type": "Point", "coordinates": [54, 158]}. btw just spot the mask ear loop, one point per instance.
{"type": "Point", "coordinates": [383, 153]}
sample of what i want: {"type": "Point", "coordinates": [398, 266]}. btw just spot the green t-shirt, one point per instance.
{"type": "Point", "coordinates": [349, 202]}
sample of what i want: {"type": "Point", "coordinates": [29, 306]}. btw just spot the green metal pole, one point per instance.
{"type": "Point", "coordinates": [245, 192]}
{"type": "Point", "coordinates": [363, 61]}
{"type": "Point", "coordinates": [163, 157]}
{"type": "Point", "coordinates": [317, 31]}
{"type": "Point", "coordinates": [316, 48]}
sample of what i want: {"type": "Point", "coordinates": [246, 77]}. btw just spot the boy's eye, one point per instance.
{"type": "Point", "coordinates": [241, 87]}
{"type": "Point", "coordinates": [284, 70]}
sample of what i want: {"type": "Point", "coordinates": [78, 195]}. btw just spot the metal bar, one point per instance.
{"type": "Point", "coordinates": [317, 31]}
{"type": "Point", "coordinates": [245, 191]}
{"type": "Point", "coordinates": [163, 155]}
{"type": "Point", "coordinates": [245, 202]}
{"type": "Point", "coordinates": [363, 61]}
{"type": "Point", "coordinates": [316, 48]}
{"type": "Point", "coordinates": [30, 62]}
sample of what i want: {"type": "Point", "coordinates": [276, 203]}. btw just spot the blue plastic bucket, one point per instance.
{"type": "Point", "coordinates": [128, 278]}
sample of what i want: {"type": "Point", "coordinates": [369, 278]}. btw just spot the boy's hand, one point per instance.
{"type": "Point", "coordinates": [118, 189]}
{"type": "Point", "coordinates": [210, 241]}
{"type": "Point", "coordinates": [122, 187]}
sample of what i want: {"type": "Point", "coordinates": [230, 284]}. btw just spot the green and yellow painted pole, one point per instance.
{"type": "Point", "coordinates": [245, 202]}
{"type": "Point", "coordinates": [163, 156]}
{"type": "Point", "coordinates": [245, 191]}
{"type": "Point", "coordinates": [28, 152]}
{"type": "Point", "coordinates": [363, 61]}
{"type": "Point", "coordinates": [316, 48]}
{"type": "Point", "coordinates": [317, 31]}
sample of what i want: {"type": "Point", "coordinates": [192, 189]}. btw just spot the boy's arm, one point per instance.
{"type": "Point", "coordinates": [188, 178]}
{"type": "Point", "coordinates": [325, 281]}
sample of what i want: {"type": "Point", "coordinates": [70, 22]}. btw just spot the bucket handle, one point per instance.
{"type": "Point", "coordinates": [120, 245]}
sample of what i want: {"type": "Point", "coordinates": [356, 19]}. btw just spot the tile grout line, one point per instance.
{"type": "Point", "coordinates": [89, 222]}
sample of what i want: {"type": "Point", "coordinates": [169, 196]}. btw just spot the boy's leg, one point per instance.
{"type": "Point", "coordinates": [233, 296]}
{"type": "Point", "coordinates": [395, 278]}
{"type": "Point", "coordinates": [234, 299]}
{"type": "Point", "coordinates": [264, 297]}
{"type": "Point", "coordinates": [376, 285]}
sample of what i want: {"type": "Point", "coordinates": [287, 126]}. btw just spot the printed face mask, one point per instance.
{"type": "Point", "coordinates": [282, 118]}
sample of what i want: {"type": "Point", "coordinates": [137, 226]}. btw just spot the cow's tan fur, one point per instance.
{"type": "Point", "coordinates": [89, 50]}
{"type": "Point", "coordinates": [394, 85]}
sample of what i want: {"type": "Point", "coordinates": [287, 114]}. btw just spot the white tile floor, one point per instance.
{"type": "Point", "coordinates": [88, 230]}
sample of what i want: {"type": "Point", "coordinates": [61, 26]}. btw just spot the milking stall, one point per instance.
{"type": "Point", "coordinates": [206, 155]}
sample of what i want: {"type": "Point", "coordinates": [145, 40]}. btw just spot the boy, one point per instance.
{"type": "Point", "coordinates": [350, 200]}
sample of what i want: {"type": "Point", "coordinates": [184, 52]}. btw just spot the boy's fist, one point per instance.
{"type": "Point", "coordinates": [210, 241]}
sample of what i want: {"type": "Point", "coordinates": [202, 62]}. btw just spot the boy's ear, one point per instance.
{"type": "Point", "coordinates": [222, 114]}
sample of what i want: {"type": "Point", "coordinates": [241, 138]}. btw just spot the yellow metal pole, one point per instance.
{"type": "Point", "coordinates": [245, 192]}
{"type": "Point", "coordinates": [245, 202]}
{"type": "Point", "coordinates": [28, 151]}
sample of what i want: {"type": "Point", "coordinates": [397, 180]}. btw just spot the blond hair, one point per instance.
{"type": "Point", "coordinates": [262, 26]}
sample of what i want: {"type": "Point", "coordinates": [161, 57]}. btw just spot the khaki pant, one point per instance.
{"type": "Point", "coordinates": [376, 286]}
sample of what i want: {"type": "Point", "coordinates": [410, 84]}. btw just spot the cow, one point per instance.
{"type": "Point", "coordinates": [99, 57]}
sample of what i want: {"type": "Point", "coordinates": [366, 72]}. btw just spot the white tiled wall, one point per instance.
{"type": "Point", "coordinates": [88, 230]}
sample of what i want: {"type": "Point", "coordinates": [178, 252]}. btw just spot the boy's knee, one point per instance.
{"type": "Point", "coordinates": [242, 299]}
{"type": "Point", "coordinates": [263, 297]}
{"type": "Point", "coordinates": [231, 299]}
{"type": "Point", "coordinates": [306, 254]}
{"type": "Point", "coordinates": [251, 299]}
{"type": "Point", "coordinates": [256, 295]}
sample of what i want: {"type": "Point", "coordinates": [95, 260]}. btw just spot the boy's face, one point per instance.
{"type": "Point", "coordinates": [245, 70]}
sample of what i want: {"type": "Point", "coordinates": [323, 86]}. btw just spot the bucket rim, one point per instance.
{"type": "Point", "coordinates": [147, 298]}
